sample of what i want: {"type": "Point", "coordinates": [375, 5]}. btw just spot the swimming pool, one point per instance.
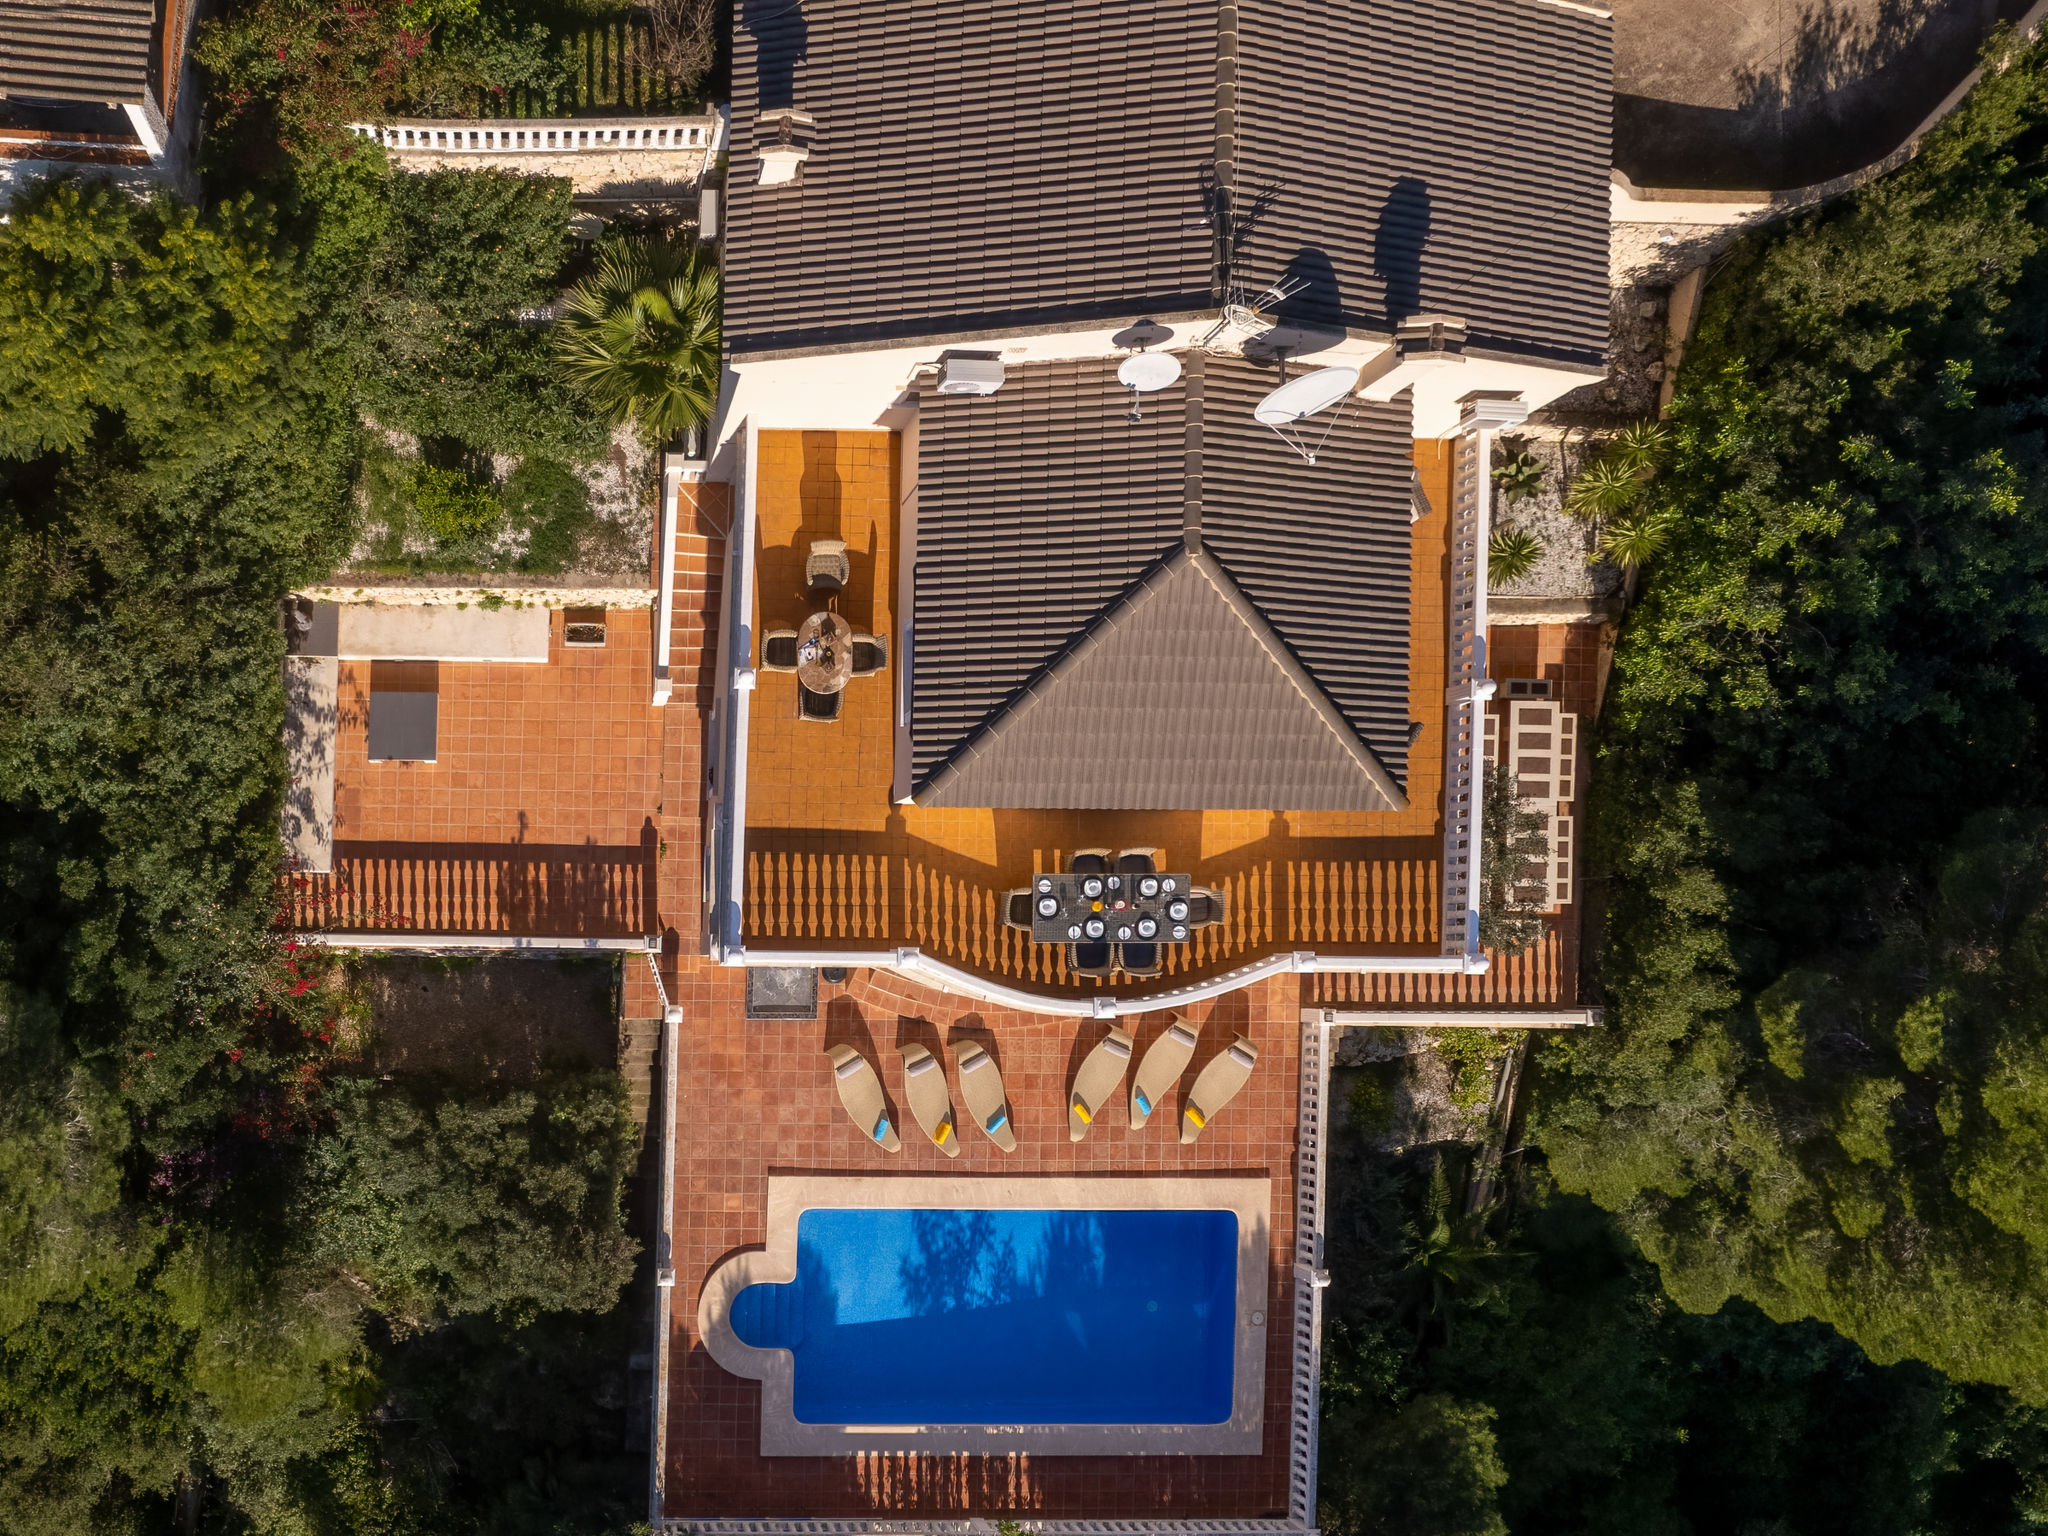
{"type": "Point", "coordinates": [1055, 1315]}
{"type": "Point", "coordinates": [1005, 1317]}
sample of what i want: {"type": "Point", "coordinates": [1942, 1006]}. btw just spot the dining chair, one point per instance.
{"type": "Point", "coordinates": [817, 706]}
{"type": "Point", "coordinates": [1088, 861]}
{"type": "Point", "coordinates": [870, 655]}
{"type": "Point", "coordinates": [1206, 906]}
{"type": "Point", "coordinates": [1137, 861]}
{"type": "Point", "coordinates": [826, 568]}
{"type": "Point", "coordinates": [778, 651]}
{"type": "Point", "coordinates": [1017, 908]}
{"type": "Point", "coordinates": [1138, 959]}
{"type": "Point", "coordinates": [1090, 959]}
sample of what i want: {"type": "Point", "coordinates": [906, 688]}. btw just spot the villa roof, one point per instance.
{"type": "Point", "coordinates": [1178, 696]}
{"type": "Point", "coordinates": [75, 50]}
{"type": "Point", "coordinates": [1058, 612]}
{"type": "Point", "coordinates": [987, 166]}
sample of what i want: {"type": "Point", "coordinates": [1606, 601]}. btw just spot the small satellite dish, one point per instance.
{"type": "Point", "coordinates": [1142, 373]}
{"type": "Point", "coordinates": [1301, 398]}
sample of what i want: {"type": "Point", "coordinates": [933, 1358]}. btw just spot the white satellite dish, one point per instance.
{"type": "Point", "coordinates": [1142, 373]}
{"type": "Point", "coordinates": [1299, 399]}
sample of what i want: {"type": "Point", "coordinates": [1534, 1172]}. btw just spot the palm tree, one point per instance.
{"type": "Point", "coordinates": [1639, 537]}
{"type": "Point", "coordinates": [1604, 486]}
{"type": "Point", "coordinates": [1444, 1251]}
{"type": "Point", "coordinates": [1511, 554]}
{"type": "Point", "coordinates": [640, 334]}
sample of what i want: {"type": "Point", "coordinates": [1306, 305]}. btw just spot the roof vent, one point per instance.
{"type": "Point", "coordinates": [1431, 339]}
{"type": "Point", "coordinates": [783, 140]}
{"type": "Point", "coordinates": [970, 373]}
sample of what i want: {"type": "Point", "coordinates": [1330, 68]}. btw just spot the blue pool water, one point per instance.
{"type": "Point", "coordinates": [1005, 1317]}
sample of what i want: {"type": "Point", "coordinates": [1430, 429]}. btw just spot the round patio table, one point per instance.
{"type": "Point", "coordinates": [824, 653]}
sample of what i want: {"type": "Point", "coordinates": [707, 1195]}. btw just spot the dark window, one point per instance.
{"type": "Point", "coordinates": [583, 626]}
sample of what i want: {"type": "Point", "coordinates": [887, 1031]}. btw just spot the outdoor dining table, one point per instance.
{"type": "Point", "coordinates": [824, 653]}
{"type": "Point", "coordinates": [1126, 909]}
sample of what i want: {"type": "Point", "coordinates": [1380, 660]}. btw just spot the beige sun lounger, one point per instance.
{"type": "Point", "coordinates": [924, 1085]}
{"type": "Point", "coordinates": [1160, 1068]}
{"type": "Point", "coordinates": [1216, 1085]}
{"type": "Point", "coordinates": [1096, 1081]}
{"type": "Point", "coordinates": [860, 1091]}
{"type": "Point", "coordinates": [981, 1085]}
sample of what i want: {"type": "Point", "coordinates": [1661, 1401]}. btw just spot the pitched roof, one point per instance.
{"type": "Point", "coordinates": [75, 50]}
{"type": "Point", "coordinates": [990, 165]}
{"type": "Point", "coordinates": [1041, 508]}
{"type": "Point", "coordinates": [1179, 696]}
{"type": "Point", "coordinates": [1429, 156]}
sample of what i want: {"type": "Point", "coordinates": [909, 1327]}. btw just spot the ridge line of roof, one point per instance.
{"type": "Point", "coordinates": [1312, 692]}
{"type": "Point", "coordinates": [1082, 645]}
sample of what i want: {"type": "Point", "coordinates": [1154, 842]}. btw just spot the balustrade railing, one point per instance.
{"type": "Point", "coordinates": [560, 136]}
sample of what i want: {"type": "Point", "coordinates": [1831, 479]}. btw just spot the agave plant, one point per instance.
{"type": "Point", "coordinates": [1519, 476]}
{"type": "Point", "coordinates": [1511, 554]}
{"type": "Point", "coordinates": [1638, 446]}
{"type": "Point", "coordinates": [1639, 537]}
{"type": "Point", "coordinates": [640, 334]}
{"type": "Point", "coordinates": [1605, 486]}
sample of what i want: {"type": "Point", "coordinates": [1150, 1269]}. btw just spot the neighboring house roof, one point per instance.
{"type": "Point", "coordinates": [75, 50]}
{"type": "Point", "coordinates": [986, 165]}
{"type": "Point", "coordinates": [1178, 696]}
{"type": "Point", "coordinates": [1040, 509]}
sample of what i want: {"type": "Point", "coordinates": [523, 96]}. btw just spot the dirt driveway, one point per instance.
{"type": "Point", "coordinates": [1777, 94]}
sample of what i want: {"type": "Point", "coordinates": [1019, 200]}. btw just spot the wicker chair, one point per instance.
{"type": "Point", "coordinates": [1017, 908]}
{"type": "Point", "coordinates": [870, 655]}
{"type": "Point", "coordinates": [1137, 861]}
{"type": "Point", "coordinates": [1089, 861]}
{"type": "Point", "coordinates": [826, 568]}
{"type": "Point", "coordinates": [1138, 959]}
{"type": "Point", "coordinates": [1095, 959]}
{"type": "Point", "coordinates": [817, 706]}
{"type": "Point", "coordinates": [1205, 907]}
{"type": "Point", "coordinates": [778, 651]}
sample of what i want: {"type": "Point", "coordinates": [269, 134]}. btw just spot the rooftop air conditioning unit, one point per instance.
{"type": "Point", "coordinates": [971, 376]}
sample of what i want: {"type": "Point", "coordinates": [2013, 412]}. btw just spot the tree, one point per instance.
{"type": "Point", "coordinates": [640, 335]}
{"type": "Point", "coordinates": [1816, 1084]}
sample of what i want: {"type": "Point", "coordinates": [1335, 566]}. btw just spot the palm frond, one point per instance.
{"type": "Point", "coordinates": [640, 335]}
{"type": "Point", "coordinates": [1639, 446]}
{"type": "Point", "coordinates": [1511, 554]}
{"type": "Point", "coordinates": [1638, 538]}
{"type": "Point", "coordinates": [1604, 486]}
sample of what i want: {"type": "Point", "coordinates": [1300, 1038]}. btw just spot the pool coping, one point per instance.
{"type": "Point", "coordinates": [790, 1195]}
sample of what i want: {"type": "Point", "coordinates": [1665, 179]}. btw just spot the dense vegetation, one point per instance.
{"type": "Point", "coordinates": [235, 1264]}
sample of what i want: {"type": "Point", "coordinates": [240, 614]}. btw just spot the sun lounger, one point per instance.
{"type": "Point", "coordinates": [1096, 1081]}
{"type": "Point", "coordinates": [924, 1085]}
{"type": "Point", "coordinates": [981, 1085]}
{"type": "Point", "coordinates": [1160, 1068]}
{"type": "Point", "coordinates": [1216, 1085]}
{"type": "Point", "coordinates": [860, 1091]}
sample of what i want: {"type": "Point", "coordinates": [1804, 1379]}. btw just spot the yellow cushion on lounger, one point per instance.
{"type": "Point", "coordinates": [944, 1131]}
{"type": "Point", "coordinates": [1197, 1116]}
{"type": "Point", "coordinates": [1082, 1110]}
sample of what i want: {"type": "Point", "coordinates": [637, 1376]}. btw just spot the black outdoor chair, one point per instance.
{"type": "Point", "coordinates": [817, 706]}
{"type": "Point", "coordinates": [1138, 959]}
{"type": "Point", "coordinates": [1205, 907]}
{"type": "Point", "coordinates": [778, 651]}
{"type": "Point", "coordinates": [1137, 861]}
{"type": "Point", "coordinates": [1089, 861]}
{"type": "Point", "coordinates": [1090, 959]}
{"type": "Point", "coordinates": [870, 655]}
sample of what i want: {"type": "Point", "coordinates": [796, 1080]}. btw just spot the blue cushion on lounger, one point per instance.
{"type": "Point", "coordinates": [998, 1120]}
{"type": "Point", "coordinates": [881, 1128]}
{"type": "Point", "coordinates": [1144, 1104]}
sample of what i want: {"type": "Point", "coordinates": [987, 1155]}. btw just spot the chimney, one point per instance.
{"type": "Point", "coordinates": [782, 139]}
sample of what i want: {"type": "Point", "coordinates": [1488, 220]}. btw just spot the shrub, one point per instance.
{"type": "Point", "coordinates": [1511, 554]}
{"type": "Point", "coordinates": [451, 506]}
{"type": "Point", "coordinates": [550, 502]}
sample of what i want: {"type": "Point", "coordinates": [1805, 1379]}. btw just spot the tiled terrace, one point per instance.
{"type": "Point", "coordinates": [535, 819]}
{"type": "Point", "coordinates": [832, 861]}
{"type": "Point", "coordinates": [756, 1099]}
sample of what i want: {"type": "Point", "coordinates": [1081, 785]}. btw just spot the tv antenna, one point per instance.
{"type": "Point", "coordinates": [1245, 316]}
{"type": "Point", "coordinates": [1298, 399]}
{"type": "Point", "coordinates": [1143, 373]}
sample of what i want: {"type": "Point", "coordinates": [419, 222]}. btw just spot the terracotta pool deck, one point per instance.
{"type": "Point", "coordinates": [756, 1098]}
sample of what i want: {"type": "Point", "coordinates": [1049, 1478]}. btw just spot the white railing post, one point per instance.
{"type": "Point", "coordinates": [1468, 686]}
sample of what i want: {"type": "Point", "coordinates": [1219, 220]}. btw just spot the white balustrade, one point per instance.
{"type": "Point", "coordinates": [557, 136]}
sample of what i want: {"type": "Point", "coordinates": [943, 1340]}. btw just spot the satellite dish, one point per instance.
{"type": "Point", "coordinates": [1301, 398]}
{"type": "Point", "coordinates": [1143, 372]}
